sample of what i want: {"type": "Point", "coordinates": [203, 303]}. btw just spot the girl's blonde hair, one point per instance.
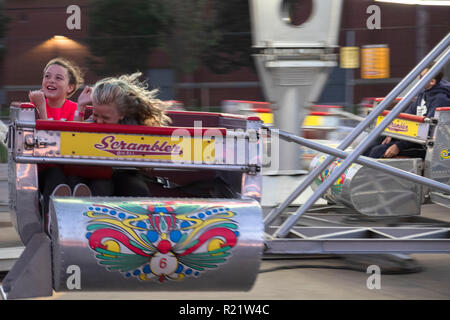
{"type": "Point", "coordinates": [132, 99]}
{"type": "Point", "coordinates": [75, 73]}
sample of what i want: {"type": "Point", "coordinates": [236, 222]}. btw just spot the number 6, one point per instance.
{"type": "Point", "coordinates": [163, 263]}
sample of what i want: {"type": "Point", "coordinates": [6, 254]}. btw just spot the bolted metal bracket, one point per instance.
{"type": "Point", "coordinates": [31, 275]}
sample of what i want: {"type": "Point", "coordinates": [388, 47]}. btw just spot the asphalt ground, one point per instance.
{"type": "Point", "coordinates": [312, 279]}
{"type": "Point", "coordinates": [300, 278]}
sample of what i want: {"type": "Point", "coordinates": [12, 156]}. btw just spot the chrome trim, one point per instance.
{"type": "Point", "coordinates": [131, 163]}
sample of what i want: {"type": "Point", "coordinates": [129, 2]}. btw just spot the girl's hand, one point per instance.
{"type": "Point", "coordinates": [392, 151]}
{"type": "Point", "coordinates": [37, 97]}
{"type": "Point", "coordinates": [85, 97]}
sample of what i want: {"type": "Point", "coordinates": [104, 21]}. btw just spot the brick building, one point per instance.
{"type": "Point", "coordinates": [37, 32]}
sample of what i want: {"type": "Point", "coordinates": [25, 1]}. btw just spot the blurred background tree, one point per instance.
{"type": "Point", "coordinates": [3, 129]}
{"type": "Point", "coordinates": [3, 28]}
{"type": "Point", "coordinates": [188, 33]}
{"type": "Point", "coordinates": [233, 47]}
{"type": "Point", "coordinates": [122, 33]}
{"type": "Point", "coordinates": [193, 33]}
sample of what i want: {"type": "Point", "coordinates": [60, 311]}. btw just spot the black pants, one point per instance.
{"type": "Point", "coordinates": [124, 183]}
{"type": "Point", "coordinates": [377, 150]}
{"type": "Point", "coordinates": [129, 183]}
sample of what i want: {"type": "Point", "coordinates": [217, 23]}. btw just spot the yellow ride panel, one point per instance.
{"type": "Point", "coordinates": [402, 126]}
{"type": "Point", "coordinates": [168, 148]}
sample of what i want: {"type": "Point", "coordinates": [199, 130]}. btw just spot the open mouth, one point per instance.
{"type": "Point", "coordinates": [51, 88]}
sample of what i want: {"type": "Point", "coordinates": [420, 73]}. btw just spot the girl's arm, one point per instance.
{"type": "Point", "coordinates": [38, 99]}
{"type": "Point", "coordinates": [83, 100]}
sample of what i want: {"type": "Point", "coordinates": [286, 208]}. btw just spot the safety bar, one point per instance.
{"type": "Point", "coordinates": [128, 129]}
{"type": "Point", "coordinates": [137, 164]}
{"type": "Point", "coordinates": [402, 137]}
{"type": "Point", "coordinates": [440, 63]}
{"type": "Point", "coordinates": [407, 116]}
{"type": "Point", "coordinates": [443, 45]}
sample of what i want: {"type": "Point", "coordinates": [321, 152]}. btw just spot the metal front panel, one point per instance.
{"type": "Point", "coordinates": [47, 143]}
{"type": "Point", "coordinates": [12, 192]}
{"type": "Point", "coordinates": [175, 148]}
{"type": "Point", "coordinates": [271, 29]}
{"type": "Point", "coordinates": [408, 128]}
{"type": "Point", "coordinates": [234, 149]}
{"type": "Point", "coordinates": [252, 186]}
{"type": "Point", "coordinates": [156, 244]}
{"type": "Point", "coordinates": [24, 197]}
{"type": "Point", "coordinates": [438, 156]}
{"type": "Point", "coordinates": [376, 193]}
{"type": "Point", "coordinates": [22, 178]}
{"type": "Point", "coordinates": [372, 192]}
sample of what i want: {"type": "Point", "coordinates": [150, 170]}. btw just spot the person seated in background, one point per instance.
{"type": "Point", "coordinates": [436, 94]}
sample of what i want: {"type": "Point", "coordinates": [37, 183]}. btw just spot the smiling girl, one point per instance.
{"type": "Point", "coordinates": [61, 79]}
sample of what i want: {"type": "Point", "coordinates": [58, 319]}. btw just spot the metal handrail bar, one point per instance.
{"type": "Point", "coordinates": [132, 163]}
{"type": "Point", "coordinates": [290, 222]}
{"type": "Point", "coordinates": [439, 48]}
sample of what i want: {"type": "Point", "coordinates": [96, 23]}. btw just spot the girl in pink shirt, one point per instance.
{"type": "Point", "coordinates": [61, 79]}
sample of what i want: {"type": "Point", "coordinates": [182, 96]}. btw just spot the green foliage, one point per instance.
{"type": "Point", "coordinates": [121, 34]}
{"type": "Point", "coordinates": [214, 33]}
{"type": "Point", "coordinates": [3, 153]}
{"type": "Point", "coordinates": [3, 20]}
{"type": "Point", "coordinates": [233, 48]}
{"type": "Point", "coordinates": [3, 28]}
{"type": "Point", "coordinates": [188, 33]}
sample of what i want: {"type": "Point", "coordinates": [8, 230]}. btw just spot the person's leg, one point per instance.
{"type": "Point", "coordinates": [49, 179]}
{"type": "Point", "coordinates": [52, 182]}
{"type": "Point", "coordinates": [101, 187]}
{"type": "Point", "coordinates": [379, 151]}
{"type": "Point", "coordinates": [129, 184]}
{"type": "Point", "coordinates": [78, 186]}
{"type": "Point", "coordinates": [82, 190]}
{"type": "Point", "coordinates": [98, 187]}
{"type": "Point", "coordinates": [374, 144]}
{"type": "Point", "coordinates": [418, 152]}
{"type": "Point", "coordinates": [72, 181]}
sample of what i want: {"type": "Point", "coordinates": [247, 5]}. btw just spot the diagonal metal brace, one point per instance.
{"type": "Point", "coordinates": [368, 162]}
{"type": "Point", "coordinates": [292, 220]}
{"type": "Point", "coordinates": [440, 47]}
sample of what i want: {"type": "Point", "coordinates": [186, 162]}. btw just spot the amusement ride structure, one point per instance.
{"type": "Point", "coordinates": [185, 238]}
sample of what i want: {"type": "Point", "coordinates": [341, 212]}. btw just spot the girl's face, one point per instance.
{"type": "Point", "coordinates": [55, 82]}
{"type": "Point", "coordinates": [105, 113]}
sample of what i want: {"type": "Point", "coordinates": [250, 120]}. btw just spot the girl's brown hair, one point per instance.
{"type": "Point", "coordinates": [75, 73]}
